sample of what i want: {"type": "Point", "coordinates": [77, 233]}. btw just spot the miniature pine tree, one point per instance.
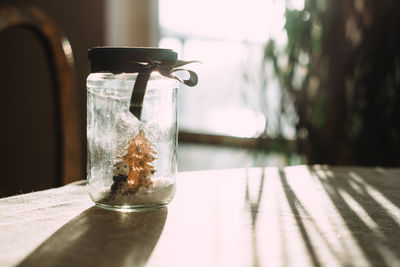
{"type": "Point", "coordinates": [140, 154]}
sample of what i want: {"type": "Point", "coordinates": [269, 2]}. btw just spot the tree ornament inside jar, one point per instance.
{"type": "Point", "coordinates": [132, 126]}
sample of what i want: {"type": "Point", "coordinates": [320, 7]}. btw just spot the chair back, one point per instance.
{"type": "Point", "coordinates": [70, 158]}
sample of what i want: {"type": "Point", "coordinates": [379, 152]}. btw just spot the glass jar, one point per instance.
{"type": "Point", "coordinates": [131, 161]}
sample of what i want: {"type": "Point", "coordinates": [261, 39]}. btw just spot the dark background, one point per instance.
{"type": "Point", "coordinates": [27, 110]}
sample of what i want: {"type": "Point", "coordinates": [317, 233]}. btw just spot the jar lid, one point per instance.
{"type": "Point", "coordinates": [131, 53]}
{"type": "Point", "coordinates": [141, 60]}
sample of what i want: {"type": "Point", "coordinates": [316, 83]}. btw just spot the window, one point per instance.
{"type": "Point", "coordinates": [229, 38]}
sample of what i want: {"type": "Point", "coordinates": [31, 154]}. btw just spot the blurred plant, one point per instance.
{"type": "Point", "coordinates": [339, 76]}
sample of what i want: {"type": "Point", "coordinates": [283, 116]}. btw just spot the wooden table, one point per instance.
{"type": "Point", "coordinates": [296, 216]}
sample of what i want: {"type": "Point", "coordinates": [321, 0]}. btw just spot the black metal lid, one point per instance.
{"type": "Point", "coordinates": [123, 54]}
{"type": "Point", "coordinates": [141, 60]}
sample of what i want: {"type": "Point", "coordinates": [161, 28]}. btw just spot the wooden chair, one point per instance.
{"type": "Point", "coordinates": [58, 50]}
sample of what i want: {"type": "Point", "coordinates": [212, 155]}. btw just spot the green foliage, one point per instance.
{"type": "Point", "coordinates": [342, 76]}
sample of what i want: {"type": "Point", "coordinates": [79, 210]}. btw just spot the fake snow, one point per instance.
{"type": "Point", "coordinates": [160, 192]}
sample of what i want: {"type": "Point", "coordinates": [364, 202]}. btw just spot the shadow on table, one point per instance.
{"type": "Point", "coordinates": [253, 200]}
{"type": "Point", "coordinates": [99, 237]}
{"type": "Point", "coordinates": [369, 206]}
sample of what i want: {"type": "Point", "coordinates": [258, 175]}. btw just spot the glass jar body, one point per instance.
{"type": "Point", "coordinates": [131, 163]}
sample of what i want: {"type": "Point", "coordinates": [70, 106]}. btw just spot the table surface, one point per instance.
{"type": "Point", "coordinates": [294, 216]}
